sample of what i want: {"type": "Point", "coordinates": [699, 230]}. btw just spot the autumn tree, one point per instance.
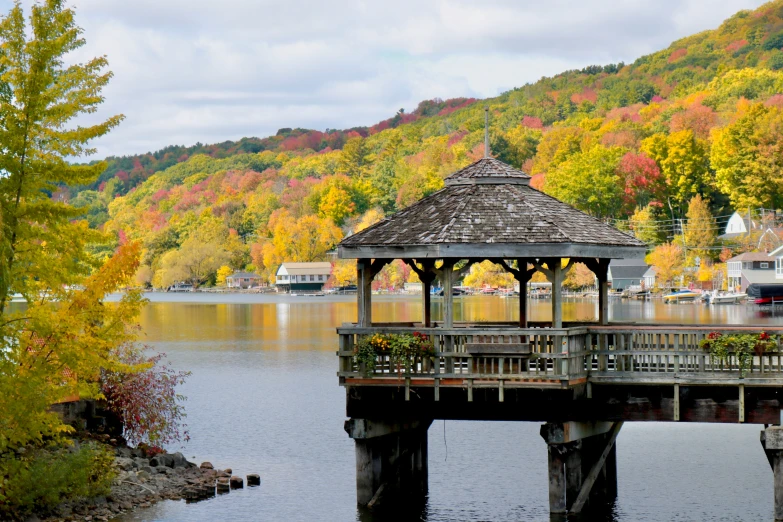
{"type": "Point", "coordinates": [579, 277]}
{"type": "Point", "coordinates": [222, 273]}
{"type": "Point", "coordinates": [700, 229]}
{"type": "Point", "coordinates": [194, 262]}
{"type": "Point", "coordinates": [589, 181]}
{"type": "Point", "coordinates": [645, 226]}
{"type": "Point", "coordinates": [488, 274]}
{"type": "Point", "coordinates": [683, 160]}
{"type": "Point", "coordinates": [668, 262]}
{"type": "Point", "coordinates": [747, 156]}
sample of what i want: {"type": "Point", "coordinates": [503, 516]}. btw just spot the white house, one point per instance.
{"type": "Point", "coordinates": [302, 276]}
{"type": "Point", "coordinates": [777, 254]}
{"type": "Point", "coordinates": [649, 277]}
{"type": "Point", "coordinates": [738, 225]}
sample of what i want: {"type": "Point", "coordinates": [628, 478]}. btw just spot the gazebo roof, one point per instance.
{"type": "Point", "coordinates": [486, 210]}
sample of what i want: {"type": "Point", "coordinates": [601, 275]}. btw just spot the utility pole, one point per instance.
{"type": "Point", "coordinates": [486, 131]}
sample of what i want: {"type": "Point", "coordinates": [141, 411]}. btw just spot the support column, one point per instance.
{"type": "Point", "coordinates": [582, 464]}
{"type": "Point", "coordinates": [603, 291]}
{"type": "Point", "coordinates": [772, 442]}
{"type": "Point", "coordinates": [364, 291]}
{"type": "Point", "coordinates": [522, 268]}
{"type": "Point", "coordinates": [391, 460]}
{"type": "Point", "coordinates": [448, 293]}
{"type": "Point", "coordinates": [557, 293]}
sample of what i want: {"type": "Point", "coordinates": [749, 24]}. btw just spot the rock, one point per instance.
{"type": "Point", "coordinates": [162, 460]}
{"type": "Point", "coordinates": [137, 452]}
{"type": "Point", "coordinates": [236, 482]}
{"type": "Point", "coordinates": [32, 518]}
{"type": "Point", "coordinates": [254, 479]}
{"type": "Point", "coordinates": [124, 464]}
{"type": "Point", "coordinates": [146, 469]}
{"type": "Point", "coordinates": [144, 474]}
{"type": "Point", "coordinates": [124, 452]}
{"type": "Point", "coordinates": [228, 470]}
{"type": "Point", "coordinates": [223, 487]}
{"type": "Point", "coordinates": [177, 460]}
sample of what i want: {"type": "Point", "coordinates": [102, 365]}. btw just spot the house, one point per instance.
{"type": "Point", "coordinates": [302, 276]}
{"type": "Point", "coordinates": [649, 278]}
{"type": "Point", "coordinates": [241, 279]}
{"type": "Point", "coordinates": [625, 273]}
{"type": "Point", "coordinates": [738, 225]}
{"type": "Point", "coordinates": [777, 255]}
{"type": "Point", "coordinates": [750, 268]}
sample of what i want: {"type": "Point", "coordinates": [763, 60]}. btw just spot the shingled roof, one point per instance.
{"type": "Point", "coordinates": [488, 209]}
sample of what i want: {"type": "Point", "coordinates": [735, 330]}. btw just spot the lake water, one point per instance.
{"type": "Point", "coordinates": [264, 398]}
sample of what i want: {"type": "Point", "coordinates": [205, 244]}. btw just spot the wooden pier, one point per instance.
{"type": "Point", "coordinates": [582, 381]}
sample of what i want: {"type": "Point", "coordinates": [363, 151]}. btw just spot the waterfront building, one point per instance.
{"type": "Point", "coordinates": [291, 277]}
{"type": "Point", "coordinates": [750, 268]}
{"type": "Point", "coordinates": [240, 279]}
{"type": "Point", "coordinates": [627, 273]}
{"type": "Point", "coordinates": [739, 225]}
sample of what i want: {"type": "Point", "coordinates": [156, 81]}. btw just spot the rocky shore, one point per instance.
{"type": "Point", "coordinates": [144, 479]}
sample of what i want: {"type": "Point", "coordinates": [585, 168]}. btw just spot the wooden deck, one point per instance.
{"type": "Point", "coordinates": [637, 372]}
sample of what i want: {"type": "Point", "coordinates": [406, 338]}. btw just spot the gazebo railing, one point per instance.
{"type": "Point", "coordinates": [477, 353]}
{"type": "Point", "coordinates": [500, 355]}
{"type": "Point", "coordinates": [650, 353]}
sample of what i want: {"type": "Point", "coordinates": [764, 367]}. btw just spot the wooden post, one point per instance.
{"type": "Point", "coordinates": [772, 442]}
{"type": "Point", "coordinates": [603, 291]}
{"type": "Point", "coordinates": [364, 291]}
{"type": "Point", "coordinates": [522, 267]}
{"type": "Point", "coordinates": [557, 294]}
{"type": "Point", "coordinates": [448, 297]}
{"type": "Point", "coordinates": [391, 459]}
{"type": "Point", "coordinates": [426, 299]}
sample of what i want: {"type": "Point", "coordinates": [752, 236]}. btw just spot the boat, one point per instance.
{"type": "Point", "coordinates": [766, 294]}
{"type": "Point", "coordinates": [725, 298]}
{"type": "Point", "coordinates": [681, 296]}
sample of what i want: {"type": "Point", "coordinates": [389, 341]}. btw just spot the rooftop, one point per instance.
{"type": "Point", "coordinates": [752, 256]}
{"type": "Point", "coordinates": [316, 267]}
{"type": "Point", "coordinates": [488, 209]}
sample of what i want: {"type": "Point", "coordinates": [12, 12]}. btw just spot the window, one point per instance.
{"type": "Point", "coordinates": [312, 278]}
{"type": "Point", "coordinates": [764, 265]}
{"type": "Point", "coordinates": [779, 267]}
{"type": "Point", "coordinates": [320, 278]}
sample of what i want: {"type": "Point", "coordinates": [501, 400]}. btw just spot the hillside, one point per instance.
{"type": "Point", "coordinates": [627, 143]}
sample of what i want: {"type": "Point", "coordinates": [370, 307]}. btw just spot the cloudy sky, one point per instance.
{"type": "Point", "coordinates": [205, 70]}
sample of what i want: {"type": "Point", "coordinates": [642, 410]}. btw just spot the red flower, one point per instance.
{"type": "Point", "coordinates": [764, 336]}
{"type": "Point", "coordinates": [713, 335]}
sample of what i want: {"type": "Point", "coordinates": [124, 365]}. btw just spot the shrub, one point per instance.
{"type": "Point", "coordinates": [146, 401]}
{"type": "Point", "coordinates": [40, 479]}
{"type": "Point", "coordinates": [402, 350]}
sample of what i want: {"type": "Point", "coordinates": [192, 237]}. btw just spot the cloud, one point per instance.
{"type": "Point", "coordinates": [189, 71]}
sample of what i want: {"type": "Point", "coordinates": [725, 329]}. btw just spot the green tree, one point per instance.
{"type": "Point", "coordinates": [589, 181]}
{"type": "Point", "coordinates": [644, 225]}
{"type": "Point", "coordinates": [62, 333]}
{"type": "Point", "coordinates": [747, 156]}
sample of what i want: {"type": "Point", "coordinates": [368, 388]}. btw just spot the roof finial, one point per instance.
{"type": "Point", "coordinates": [486, 131]}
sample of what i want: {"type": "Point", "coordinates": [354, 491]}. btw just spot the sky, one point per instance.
{"type": "Point", "coordinates": [188, 71]}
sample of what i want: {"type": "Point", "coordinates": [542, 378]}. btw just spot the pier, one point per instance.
{"type": "Point", "coordinates": [583, 381]}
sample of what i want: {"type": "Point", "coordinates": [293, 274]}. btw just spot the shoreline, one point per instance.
{"type": "Point", "coordinates": [142, 480]}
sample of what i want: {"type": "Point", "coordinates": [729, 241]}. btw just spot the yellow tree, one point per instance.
{"type": "Point", "coordinates": [489, 274]}
{"type": "Point", "coordinates": [62, 333]}
{"type": "Point", "coordinates": [222, 273]}
{"type": "Point", "coordinates": [344, 272]}
{"type": "Point", "coordinates": [579, 276]}
{"type": "Point", "coordinates": [668, 262]}
{"type": "Point", "coordinates": [700, 229]}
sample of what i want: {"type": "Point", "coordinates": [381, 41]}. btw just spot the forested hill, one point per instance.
{"type": "Point", "coordinates": [618, 141]}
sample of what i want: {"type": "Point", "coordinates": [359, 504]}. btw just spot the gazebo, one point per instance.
{"type": "Point", "coordinates": [488, 210]}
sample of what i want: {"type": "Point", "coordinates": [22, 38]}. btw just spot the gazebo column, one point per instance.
{"type": "Point", "coordinates": [366, 269]}
{"type": "Point", "coordinates": [603, 291]}
{"type": "Point", "coordinates": [447, 276]}
{"type": "Point", "coordinates": [557, 293]}
{"type": "Point", "coordinates": [364, 291]}
{"type": "Point", "coordinates": [522, 277]}
{"type": "Point", "coordinates": [426, 275]}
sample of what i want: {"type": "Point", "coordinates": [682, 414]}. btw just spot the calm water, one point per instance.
{"type": "Point", "coordinates": [264, 398]}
